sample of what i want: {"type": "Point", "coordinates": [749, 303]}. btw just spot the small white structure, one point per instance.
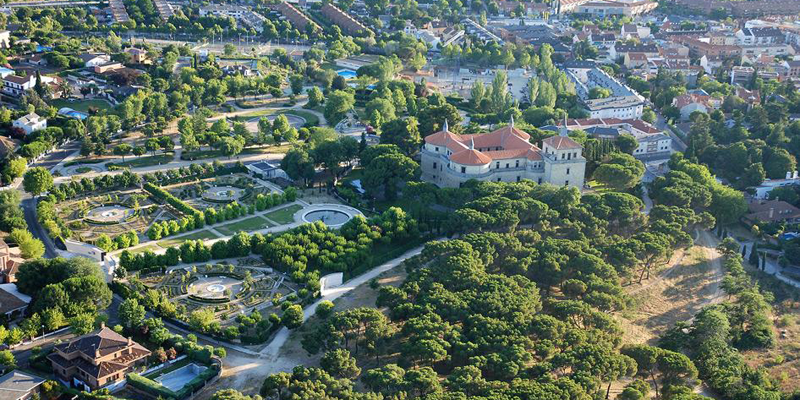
{"type": "Point", "coordinates": [762, 191]}
{"type": "Point", "coordinates": [85, 249]}
{"type": "Point", "coordinates": [92, 60]}
{"type": "Point", "coordinates": [267, 170]}
{"type": "Point", "coordinates": [31, 123]}
{"type": "Point", "coordinates": [5, 39]}
{"type": "Point", "coordinates": [330, 281]}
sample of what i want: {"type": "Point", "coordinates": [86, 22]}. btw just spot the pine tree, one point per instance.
{"type": "Point", "coordinates": [753, 259]}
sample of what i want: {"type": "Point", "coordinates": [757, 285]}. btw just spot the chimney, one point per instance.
{"type": "Point", "coordinates": [788, 174]}
{"type": "Point", "coordinates": [771, 212]}
{"type": "Point", "coordinates": [794, 176]}
{"type": "Point", "coordinates": [102, 325]}
{"type": "Point", "coordinates": [130, 341]}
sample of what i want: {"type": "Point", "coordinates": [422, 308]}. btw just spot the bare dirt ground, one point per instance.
{"type": "Point", "coordinates": [245, 373]}
{"type": "Point", "coordinates": [691, 282]}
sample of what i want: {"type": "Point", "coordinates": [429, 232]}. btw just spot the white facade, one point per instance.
{"type": "Point", "coordinates": [762, 191]}
{"type": "Point", "coordinates": [30, 123]}
{"type": "Point", "coordinates": [504, 155]}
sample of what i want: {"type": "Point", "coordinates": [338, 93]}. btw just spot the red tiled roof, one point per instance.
{"type": "Point", "coordinates": [561, 142]}
{"type": "Point", "coordinates": [470, 157]}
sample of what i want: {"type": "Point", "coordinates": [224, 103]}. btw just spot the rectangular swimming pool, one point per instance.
{"type": "Point", "coordinates": [175, 380]}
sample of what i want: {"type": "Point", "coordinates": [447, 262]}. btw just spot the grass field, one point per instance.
{"type": "Point", "coordinates": [284, 215]}
{"type": "Point", "coordinates": [142, 249]}
{"type": "Point", "coordinates": [82, 105]}
{"type": "Point", "coordinates": [144, 161]}
{"type": "Point", "coordinates": [204, 154]}
{"type": "Point", "coordinates": [84, 161]}
{"type": "Point", "coordinates": [247, 225]}
{"type": "Point", "coordinates": [311, 118]}
{"type": "Point", "coordinates": [204, 234]}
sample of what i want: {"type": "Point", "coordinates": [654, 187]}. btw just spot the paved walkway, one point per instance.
{"type": "Point", "coordinates": [270, 352]}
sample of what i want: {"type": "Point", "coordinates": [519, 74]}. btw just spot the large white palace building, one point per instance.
{"type": "Point", "coordinates": [506, 155]}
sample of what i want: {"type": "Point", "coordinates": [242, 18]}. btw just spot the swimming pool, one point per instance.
{"type": "Point", "coordinates": [177, 379]}
{"type": "Point", "coordinates": [347, 73]}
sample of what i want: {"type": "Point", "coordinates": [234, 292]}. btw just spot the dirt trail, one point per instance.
{"type": "Point", "coordinates": [693, 281]}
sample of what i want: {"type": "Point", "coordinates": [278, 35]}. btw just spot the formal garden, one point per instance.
{"type": "Point", "coordinates": [111, 214]}
{"type": "Point", "coordinates": [222, 299]}
{"type": "Point", "coordinates": [220, 190]}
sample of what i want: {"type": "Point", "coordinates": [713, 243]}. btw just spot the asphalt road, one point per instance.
{"type": "Point", "coordinates": [58, 155]}
{"type": "Point", "coordinates": [29, 204]}
{"type": "Point", "coordinates": [29, 208]}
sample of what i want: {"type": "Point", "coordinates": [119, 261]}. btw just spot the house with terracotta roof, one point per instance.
{"type": "Point", "coordinates": [505, 155]}
{"type": "Point", "coordinates": [699, 101]}
{"type": "Point", "coordinates": [653, 143]}
{"type": "Point", "coordinates": [96, 360]}
{"type": "Point", "coordinates": [771, 211]}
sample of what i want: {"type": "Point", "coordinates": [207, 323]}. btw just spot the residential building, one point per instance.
{"type": "Point", "coordinates": [771, 211]}
{"type": "Point", "coordinates": [118, 11]}
{"type": "Point", "coordinates": [12, 302]}
{"type": "Point", "coordinates": [222, 10]}
{"type": "Point", "coordinates": [138, 56]}
{"type": "Point", "coordinates": [742, 75]}
{"type": "Point", "coordinates": [619, 50]}
{"type": "Point", "coordinates": [699, 48]}
{"type": "Point", "coordinates": [608, 8]}
{"type": "Point", "coordinates": [763, 190]}
{"type": "Point", "coordinates": [16, 86]}
{"type": "Point", "coordinates": [295, 16]}
{"type": "Point", "coordinates": [759, 36]}
{"type": "Point", "coordinates": [739, 9]}
{"type": "Point", "coordinates": [164, 9]}
{"type": "Point", "coordinates": [624, 102]}
{"type": "Point", "coordinates": [569, 6]}
{"type": "Point", "coordinates": [30, 123]}
{"type": "Point", "coordinates": [696, 101]}
{"type": "Point", "coordinates": [505, 155]}
{"type": "Point", "coordinates": [791, 69]}
{"type": "Point", "coordinates": [348, 24]}
{"type": "Point", "coordinates": [91, 60]}
{"type": "Point", "coordinates": [18, 385]}
{"type": "Point", "coordinates": [475, 29]}
{"type": "Point", "coordinates": [751, 97]}
{"type": "Point", "coordinates": [97, 360]}
{"type": "Point", "coordinates": [653, 143]}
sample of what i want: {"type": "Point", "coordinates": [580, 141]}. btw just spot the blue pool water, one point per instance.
{"type": "Point", "coordinates": [347, 73]}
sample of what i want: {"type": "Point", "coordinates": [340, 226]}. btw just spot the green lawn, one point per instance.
{"type": "Point", "coordinates": [284, 215]}
{"type": "Point", "coordinates": [311, 119]}
{"type": "Point", "coordinates": [142, 249]}
{"type": "Point", "coordinates": [84, 161]}
{"type": "Point", "coordinates": [203, 234]}
{"type": "Point", "coordinates": [81, 105]}
{"type": "Point", "coordinates": [205, 154]}
{"type": "Point", "coordinates": [247, 225]}
{"type": "Point", "coordinates": [145, 161]}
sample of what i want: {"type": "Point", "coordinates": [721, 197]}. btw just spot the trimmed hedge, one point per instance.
{"type": "Point", "coordinates": [166, 196]}
{"type": "Point", "coordinates": [199, 299]}
{"type": "Point", "coordinates": [151, 387]}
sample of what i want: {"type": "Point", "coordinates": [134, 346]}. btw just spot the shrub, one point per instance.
{"type": "Point", "coordinates": [150, 387]}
